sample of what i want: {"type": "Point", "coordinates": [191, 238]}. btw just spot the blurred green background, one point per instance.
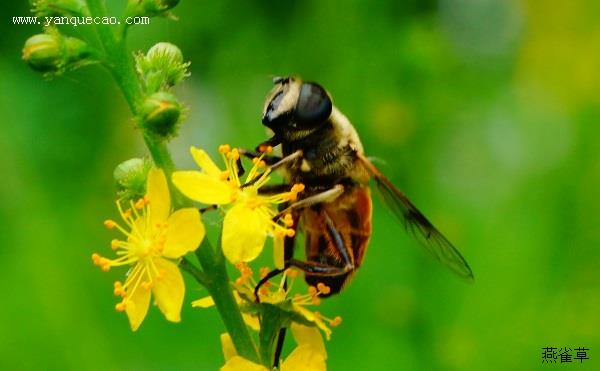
{"type": "Point", "coordinates": [486, 114]}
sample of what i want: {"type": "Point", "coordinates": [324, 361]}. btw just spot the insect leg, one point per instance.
{"type": "Point", "coordinates": [269, 160]}
{"type": "Point", "coordinates": [346, 263]}
{"type": "Point", "coordinates": [323, 197]}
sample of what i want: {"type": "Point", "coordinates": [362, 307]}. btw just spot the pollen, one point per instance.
{"type": "Point", "coordinates": [224, 148]}
{"type": "Point", "coordinates": [290, 232]}
{"type": "Point", "coordinates": [110, 224]}
{"type": "Point", "coordinates": [114, 244]}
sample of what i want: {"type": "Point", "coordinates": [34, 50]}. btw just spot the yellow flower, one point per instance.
{"type": "Point", "coordinates": [309, 355]}
{"type": "Point", "coordinates": [249, 217]}
{"type": "Point", "coordinates": [277, 294]}
{"type": "Point", "coordinates": [154, 237]}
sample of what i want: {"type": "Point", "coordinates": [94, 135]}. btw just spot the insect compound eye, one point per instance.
{"type": "Point", "coordinates": [314, 105]}
{"type": "Point", "coordinates": [269, 116]}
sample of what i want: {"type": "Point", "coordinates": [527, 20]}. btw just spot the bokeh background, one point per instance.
{"type": "Point", "coordinates": [486, 113]}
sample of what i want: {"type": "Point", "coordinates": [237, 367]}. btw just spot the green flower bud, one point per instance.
{"type": "Point", "coordinates": [130, 177]}
{"type": "Point", "coordinates": [162, 67]}
{"type": "Point", "coordinates": [160, 114]}
{"type": "Point", "coordinates": [54, 53]}
{"type": "Point", "coordinates": [150, 7]}
{"type": "Point", "coordinates": [52, 8]}
{"type": "Point", "coordinates": [42, 53]}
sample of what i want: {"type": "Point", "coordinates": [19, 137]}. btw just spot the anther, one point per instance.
{"type": "Point", "coordinates": [323, 288]}
{"type": "Point", "coordinates": [234, 154]}
{"type": "Point", "coordinates": [110, 224]}
{"type": "Point", "coordinates": [290, 232]}
{"type": "Point", "coordinates": [224, 148]}
{"type": "Point", "coordinates": [312, 290]}
{"type": "Point", "coordinates": [146, 285]}
{"type": "Point", "coordinates": [96, 258]}
{"type": "Point", "coordinates": [263, 272]}
{"type": "Point", "coordinates": [265, 148]}
{"type": "Point", "coordinates": [139, 204]}
{"type": "Point", "coordinates": [336, 321]}
{"type": "Point", "coordinates": [120, 307]}
{"type": "Point", "coordinates": [114, 244]}
{"type": "Point", "coordinates": [127, 214]}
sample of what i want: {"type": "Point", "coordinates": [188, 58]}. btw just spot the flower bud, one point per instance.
{"type": "Point", "coordinates": [130, 177]}
{"type": "Point", "coordinates": [52, 8]}
{"type": "Point", "coordinates": [150, 7]}
{"type": "Point", "coordinates": [160, 114]}
{"type": "Point", "coordinates": [162, 67]}
{"type": "Point", "coordinates": [42, 53]}
{"type": "Point", "coordinates": [52, 52]}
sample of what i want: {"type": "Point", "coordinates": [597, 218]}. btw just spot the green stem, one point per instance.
{"type": "Point", "coordinates": [222, 294]}
{"type": "Point", "coordinates": [120, 63]}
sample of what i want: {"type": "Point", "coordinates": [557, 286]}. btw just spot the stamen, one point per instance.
{"type": "Point", "coordinates": [224, 148]}
{"type": "Point", "coordinates": [139, 204]}
{"type": "Point", "coordinates": [120, 307]}
{"type": "Point", "coordinates": [114, 244]}
{"type": "Point", "coordinates": [110, 224]}
{"type": "Point", "coordinates": [323, 289]}
{"type": "Point", "coordinates": [290, 233]}
{"type": "Point", "coordinates": [336, 321]}
{"type": "Point", "coordinates": [265, 148]}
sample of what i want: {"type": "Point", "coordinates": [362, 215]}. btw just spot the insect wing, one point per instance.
{"type": "Point", "coordinates": [417, 224]}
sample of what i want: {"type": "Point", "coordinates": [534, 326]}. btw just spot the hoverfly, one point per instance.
{"type": "Point", "coordinates": [322, 150]}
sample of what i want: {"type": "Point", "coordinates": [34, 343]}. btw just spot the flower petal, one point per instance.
{"type": "Point", "coordinates": [185, 231]}
{"type": "Point", "coordinates": [205, 302]}
{"type": "Point", "coordinates": [304, 358]}
{"type": "Point", "coordinates": [157, 192]}
{"type": "Point", "coordinates": [238, 363]}
{"type": "Point", "coordinates": [227, 346]}
{"type": "Point", "coordinates": [244, 234]}
{"type": "Point", "coordinates": [203, 187]}
{"type": "Point", "coordinates": [312, 317]}
{"type": "Point", "coordinates": [307, 335]}
{"type": "Point", "coordinates": [204, 162]}
{"type": "Point", "coordinates": [137, 305]}
{"type": "Point", "coordinates": [169, 289]}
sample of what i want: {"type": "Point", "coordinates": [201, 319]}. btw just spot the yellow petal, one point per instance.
{"type": "Point", "coordinates": [244, 234]}
{"type": "Point", "coordinates": [204, 162]}
{"type": "Point", "coordinates": [157, 191]}
{"type": "Point", "coordinates": [169, 289]}
{"type": "Point", "coordinates": [203, 188]}
{"type": "Point", "coordinates": [251, 321]}
{"type": "Point", "coordinates": [307, 335]}
{"type": "Point", "coordinates": [205, 302]}
{"type": "Point", "coordinates": [314, 319]}
{"type": "Point", "coordinates": [228, 347]}
{"type": "Point", "coordinates": [304, 358]}
{"type": "Point", "coordinates": [185, 231]}
{"type": "Point", "coordinates": [238, 363]}
{"type": "Point", "coordinates": [136, 307]}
